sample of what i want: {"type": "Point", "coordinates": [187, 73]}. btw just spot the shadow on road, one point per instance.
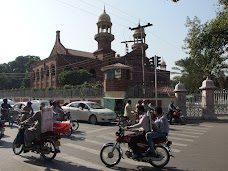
{"type": "Point", "coordinates": [55, 164]}
{"type": "Point", "coordinates": [5, 144]}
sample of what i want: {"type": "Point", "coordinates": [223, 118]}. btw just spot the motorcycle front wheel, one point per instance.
{"type": "Point", "coordinates": [68, 134]}
{"type": "Point", "coordinates": [164, 157]}
{"type": "Point", "coordinates": [74, 124]}
{"type": "Point", "coordinates": [109, 156]}
{"type": "Point", "coordinates": [48, 152]}
{"type": "Point", "coordinates": [17, 149]}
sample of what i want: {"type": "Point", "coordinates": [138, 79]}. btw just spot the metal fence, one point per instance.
{"type": "Point", "coordinates": [64, 93]}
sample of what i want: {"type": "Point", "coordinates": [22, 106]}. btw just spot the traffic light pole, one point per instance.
{"type": "Point", "coordinates": [155, 80]}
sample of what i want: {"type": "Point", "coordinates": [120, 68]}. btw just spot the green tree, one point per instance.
{"type": "Point", "coordinates": [76, 77]}
{"type": "Point", "coordinates": [16, 74]}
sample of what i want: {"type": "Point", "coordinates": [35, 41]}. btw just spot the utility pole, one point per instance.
{"type": "Point", "coordinates": [157, 62]}
{"type": "Point", "coordinates": [126, 45]}
{"type": "Point", "coordinates": [126, 48]}
{"type": "Point", "coordinates": [142, 42]}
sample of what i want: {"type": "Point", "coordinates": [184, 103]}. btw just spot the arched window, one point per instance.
{"type": "Point", "coordinates": [42, 73]}
{"type": "Point", "coordinates": [37, 74]}
{"type": "Point", "coordinates": [33, 75]}
{"type": "Point", "coordinates": [53, 70]}
{"type": "Point", "coordinates": [47, 71]}
{"type": "Point", "coordinates": [93, 72]}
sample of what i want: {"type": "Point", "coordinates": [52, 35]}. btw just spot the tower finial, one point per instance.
{"type": "Point", "coordinates": [139, 22]}
{"type": "Point", "coordinates": [104, 9]}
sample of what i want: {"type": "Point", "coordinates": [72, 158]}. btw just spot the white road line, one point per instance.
{"type": "Point", "coordinates": [188, 132]}
{"type": "Point", "coordinates": [184, 135]}
{"type": "Point", "coordinates": [182, 139]}
{"type": "Point", "coordinates": [82, 126]}
{"type": "Point", "coordinates": [179, 144]}
{"type": "Point", "coordinates": [193, 127]}
{"type": "Point", "coordinates": [83, 162]}
{"type": "Point", "coordinates": [98, 130]}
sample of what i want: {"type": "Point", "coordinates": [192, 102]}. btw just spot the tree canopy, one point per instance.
{"type": "Point", "coordinates": [206, 47]}
{"type": "Point", "coordinates": [74, 77]}
{"type": "Point", "coordinates": [16, 74]}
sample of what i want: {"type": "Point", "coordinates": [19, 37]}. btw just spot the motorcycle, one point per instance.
{"type": "Point", "coordinates": [2, 128]}
{"type": "Point", "coordinates": [74, 124]}
{"type": "Point", "coordinates": [111, 153]}
{"type": "Point", "coordinates": [47, 146]}
{"type": "Point", "coordinates": [179, 118]}
{"type": "Point", "coordinates": [7, 116]}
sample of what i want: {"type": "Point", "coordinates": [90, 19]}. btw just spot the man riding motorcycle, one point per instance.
{"type": "Point", "coordinates": [160, 129]}
{"type": "Point", "coordinates": [4, 109]}
{"type": "Point", "coordinates": [171, 110]}
{"type": "Point", "coordinates": [57, 112]}
{"type": "Point", "coordinates": [27, 111]}
{"type": "Point", "coordinates": [33, 132]}
{"type": "Point", "coordinates": [143, 126]}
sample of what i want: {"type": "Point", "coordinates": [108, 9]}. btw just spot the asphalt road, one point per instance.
{"type": "Point", "coordinates": [198, 146]}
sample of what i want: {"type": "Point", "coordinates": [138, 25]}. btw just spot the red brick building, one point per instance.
{"type": "Point", "coordinates": [45, 73]}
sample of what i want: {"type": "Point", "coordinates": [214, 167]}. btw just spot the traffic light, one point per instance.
{"type": "Point", "coordinates": [151, 60]}
{"type": "Point", "coordinates": [158, 60]}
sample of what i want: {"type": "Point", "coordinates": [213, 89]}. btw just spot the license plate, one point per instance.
{"type": "Point", "coordinates": [57, 143]}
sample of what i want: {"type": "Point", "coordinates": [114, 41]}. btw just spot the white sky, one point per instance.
{"type": "Point", "coordinates": [28, 27]}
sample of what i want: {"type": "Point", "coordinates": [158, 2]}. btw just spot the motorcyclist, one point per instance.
{"type": "Point", "coordinates": [5, 109]}
{"type": "Point", "coordinates": [57, 112]}
{"type": "Point", "coordinates": [160, 129]}
{"type": "Point", "coordinates": [33, 132]}
{"type": "Point", "coordinates": [144, 127]}
{"type": "Point", "coordinates": [27, 111]}
{"type": "Point", "coordinates": [171, 110]}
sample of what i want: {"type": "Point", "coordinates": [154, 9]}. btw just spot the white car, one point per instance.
{"type": "Point", "coordinates": [89, 111]}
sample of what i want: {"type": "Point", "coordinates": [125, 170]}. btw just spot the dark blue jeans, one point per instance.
{"type": "Point", "coordinates": [152, 135]}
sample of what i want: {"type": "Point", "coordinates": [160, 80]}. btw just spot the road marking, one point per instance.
{"type": "Point", "coordinates": [188, 132]}
{"type": "Point", "coordinates": [179, 144]}
{"type": "Point", "coordinates": [83, 162]}
{"type": "Point", "coordinates": [193, 127]}
{"type": "Point", "coordinates": [184, 135]}
{"type": "Point", "coordinates": [98, 130]}
{"type": "Point", "coordinates": [182, 139]}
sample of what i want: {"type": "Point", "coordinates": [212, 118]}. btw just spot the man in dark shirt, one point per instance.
{"type": "Point", "coordinates": [5, 109]}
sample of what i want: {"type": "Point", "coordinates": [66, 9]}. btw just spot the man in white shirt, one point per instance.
{"type": "Point", "coordinates": [144, 127]}
{"type": "Point", "coordinates": [160, 129]}
{"type": "Point", "coordinates": [129, 112]}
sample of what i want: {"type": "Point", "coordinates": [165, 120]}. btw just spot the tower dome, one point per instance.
{"type": "Point", "coordinates": [104, 17]}
{"type": "Point", "coordinates": [163, 63]}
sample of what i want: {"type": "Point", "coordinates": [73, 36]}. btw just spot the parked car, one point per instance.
{"type": "Point", "coordinates": [89, 111]}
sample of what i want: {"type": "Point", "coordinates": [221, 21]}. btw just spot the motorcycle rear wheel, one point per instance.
{"type": "Point", "coordinates": [106, 153]}
{"type": "Point", "coordinates": [17, 150]}
{"type": "Point", "coordinates": [52, 153]}
{"type": "Point", "coordinates": [74, 124]}
{"type": "Point", "coordinates": [163, 152]}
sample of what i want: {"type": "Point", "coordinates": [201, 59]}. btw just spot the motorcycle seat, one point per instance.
{"type": "Point", "coordinates": [159, 140]}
